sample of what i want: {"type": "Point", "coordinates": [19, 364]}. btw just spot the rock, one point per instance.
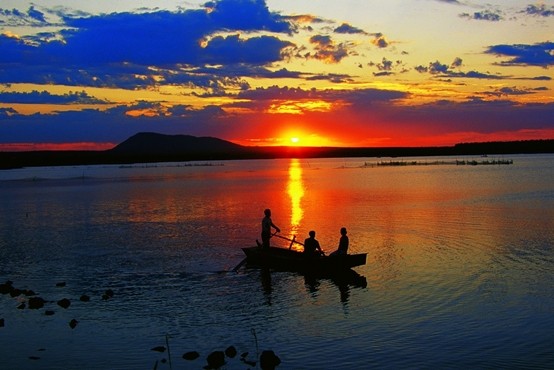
{"type": "Point", "coordinates": [231, 352]}
{"type": "Point", "coordinates": [35, 303]}
{"type": "Point", "coordinates": [192, 355]}
{"type": "Point", "coordinates": [269, 361]}
{"type": "Point", "coordinates": [21, 306]}
{"type": "Point", "coordinates": [216, 359]}
{"type": "Point", "coordinates": [158, 349]}
{"type": "Point", "coordinates": [107, 294]}
{"type": "Point", "coordinates": [2, 323]}
{"type": "Point", "coordinates": [48, 312]}
{"type": "Point", "coordinates": [84, 298]}
{"type": "Point", "coordinates": [6, 287]}
{"type": "Point", "coordinates": [73, 323]}
{"type": "Point", "coordinates": [61, 285]}
{"type": "Point", "coordinates": [64, 303]}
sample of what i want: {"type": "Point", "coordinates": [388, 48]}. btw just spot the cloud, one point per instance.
{"type": "Point", "coordinates": [436, 67]}
{"type": "Point", "coordinates": [457, 63]}
{"type": "Point", "coordinates": [44, 97]}
{"type": "Point", "coordinates": [111, 125]}
{"type": "Point", "coordinates": [346, 28]}
{"type": "Point", "coordinates": [255, 50]}
{"type": "Point", "coordinates": [247, 15]}
{"type": "Point", "coordinates": [541, 54]}
{"type": "Point", "coordinates": [539, 10]}
{"type": "Point", "coordinates": [486, 15]}
{"type": "Point", "coordinates": [379, 40]}
{"type": "Point", "coordinates": [509, 91]}
{"type": "Point", "coordinates": [327, 50]}
{"type": "Point", "coordinates": [388, 67]}
{"type": "Point", "coordinates": [15, 17]}
{"type": "Point", "coordinates": [117, 49]}
{"type": "Point", "coordinates": [361, 96]}
{"type": "Point", "coordinates": [36, 15]}
{"type": "Point", "coordinates": [7, 112]}
{"type": "Point", "coordinates": [475, 74]}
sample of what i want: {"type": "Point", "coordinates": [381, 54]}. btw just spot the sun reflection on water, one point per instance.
{"type": "Point", "coordinates": [295, 189]}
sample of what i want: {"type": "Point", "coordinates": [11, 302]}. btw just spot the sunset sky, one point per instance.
{"type": "Point", "coordinates": [89, 74]}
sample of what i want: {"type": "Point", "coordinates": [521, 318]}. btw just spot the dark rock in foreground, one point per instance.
{"type": "Point", "coordinates": [216, 359]}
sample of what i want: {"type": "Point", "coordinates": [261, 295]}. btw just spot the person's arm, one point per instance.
{"type": "Point", "coordinates": [275, 227]}
{"type": "Point", "coordinates": [318, 247]}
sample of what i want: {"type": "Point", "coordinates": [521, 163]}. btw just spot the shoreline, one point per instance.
{"type": "Point", "coordinates": [14, 160]}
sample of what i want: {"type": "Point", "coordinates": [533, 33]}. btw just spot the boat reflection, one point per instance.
{"type": "Point", "coordinates": [344, 281]}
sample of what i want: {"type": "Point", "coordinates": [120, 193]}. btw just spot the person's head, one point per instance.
{"type": "Point", "coordinates": [343, 230]}
{"type": "Point", "coordinates": [312, 234]}
{"type": "Point", "coordinates": [267, 212]}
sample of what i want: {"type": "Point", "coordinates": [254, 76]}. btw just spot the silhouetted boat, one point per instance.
{"type": "Point", "coordinates": [292, 260]}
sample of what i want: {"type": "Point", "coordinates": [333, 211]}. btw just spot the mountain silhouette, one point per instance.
{"type": "Point", "coordinates": [149, 143]}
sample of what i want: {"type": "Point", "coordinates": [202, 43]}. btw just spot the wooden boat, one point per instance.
{"type": "Point", "coordinates": [292, 260]}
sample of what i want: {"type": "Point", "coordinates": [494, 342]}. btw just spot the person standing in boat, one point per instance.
{"type": "Point", "coordinates": [343, 243]}
{"type": "Point", "coordinates": [267, 224]}
{"type": "Point", "coordinates": [311, 246]}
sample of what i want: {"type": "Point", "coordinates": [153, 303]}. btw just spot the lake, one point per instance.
{"type": "Point", "coordinates": [460, 264]}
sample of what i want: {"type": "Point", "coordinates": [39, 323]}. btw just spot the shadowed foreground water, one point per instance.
{"type": "Point", "coordinates": [459, 274]}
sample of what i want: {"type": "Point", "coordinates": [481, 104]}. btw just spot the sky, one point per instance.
{"type": "Point", "coordinates": [87, 74]}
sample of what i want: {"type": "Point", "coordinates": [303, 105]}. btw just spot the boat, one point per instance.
{"type": "Point", "coordinates": [292, 260]}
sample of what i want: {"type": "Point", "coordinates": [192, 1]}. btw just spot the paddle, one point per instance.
{"type": "Point", "coordinates": [237, 267]}
{"type": "Point", "coordinates": [293, 240]}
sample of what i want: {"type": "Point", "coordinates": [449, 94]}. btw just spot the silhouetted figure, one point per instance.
{"type": "Point", "coordinates": [267, 224]}
{"type": "Point", "coordinates": [343, 243]}
{"type": "Point", "coordinates": [311, 246]}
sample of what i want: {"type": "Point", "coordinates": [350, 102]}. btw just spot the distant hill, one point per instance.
{"type": "Point", "coordinates": [159, 144]}
{"type": "Point", "coordinates": [150, 147]}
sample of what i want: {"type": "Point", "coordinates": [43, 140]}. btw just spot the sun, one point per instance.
{"type": "Point", "coordinates": [294, 140]}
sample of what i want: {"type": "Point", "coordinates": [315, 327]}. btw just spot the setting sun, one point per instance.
{"type": "Point", "coordinates": [294, 140]}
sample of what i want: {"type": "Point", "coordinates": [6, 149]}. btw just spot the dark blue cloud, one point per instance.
{"type": "Point", "coordinates": [101, 50]}
{"type": "Point", "coordinates": [44, 97]}
{"type": "Point", "coordinates": [361, 96]}
{"type": "Point", "coordinates": [247, 15]}
{"type": "Point", "coordinates": [539, 10]}
{"type": "Point", "coordinates": [111, 125]}
{"type": "Point", "coordinates": [541, 54]}
{"type": "Point", "coordinates": [36, 15]}
{"type": "Point", "coordinates": [486, 15]}
{"type": "Point", "coordinates": [327, 50]}
{"type": "Point", "coordinates": [255, 50]}
{"type": "Point", "coordinates": [348, 29]}
{"type": "Point", "coordinates": [7, 112]}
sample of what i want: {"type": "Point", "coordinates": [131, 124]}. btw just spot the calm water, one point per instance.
{"type": "Point", "coordinates": [460, 270]}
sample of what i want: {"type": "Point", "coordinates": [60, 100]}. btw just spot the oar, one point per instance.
{"type": "Point", "coordinates": [237, 267]}
{"type": "Point", "coordinates": [293, 240]}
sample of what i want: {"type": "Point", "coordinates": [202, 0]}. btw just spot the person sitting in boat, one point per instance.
{"type": "Point", "coordinates": [311, 246]}
{"type": "Point", "coordinates": [267, 224]}
{"type": "Point", "coordinates": [343, 243]}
